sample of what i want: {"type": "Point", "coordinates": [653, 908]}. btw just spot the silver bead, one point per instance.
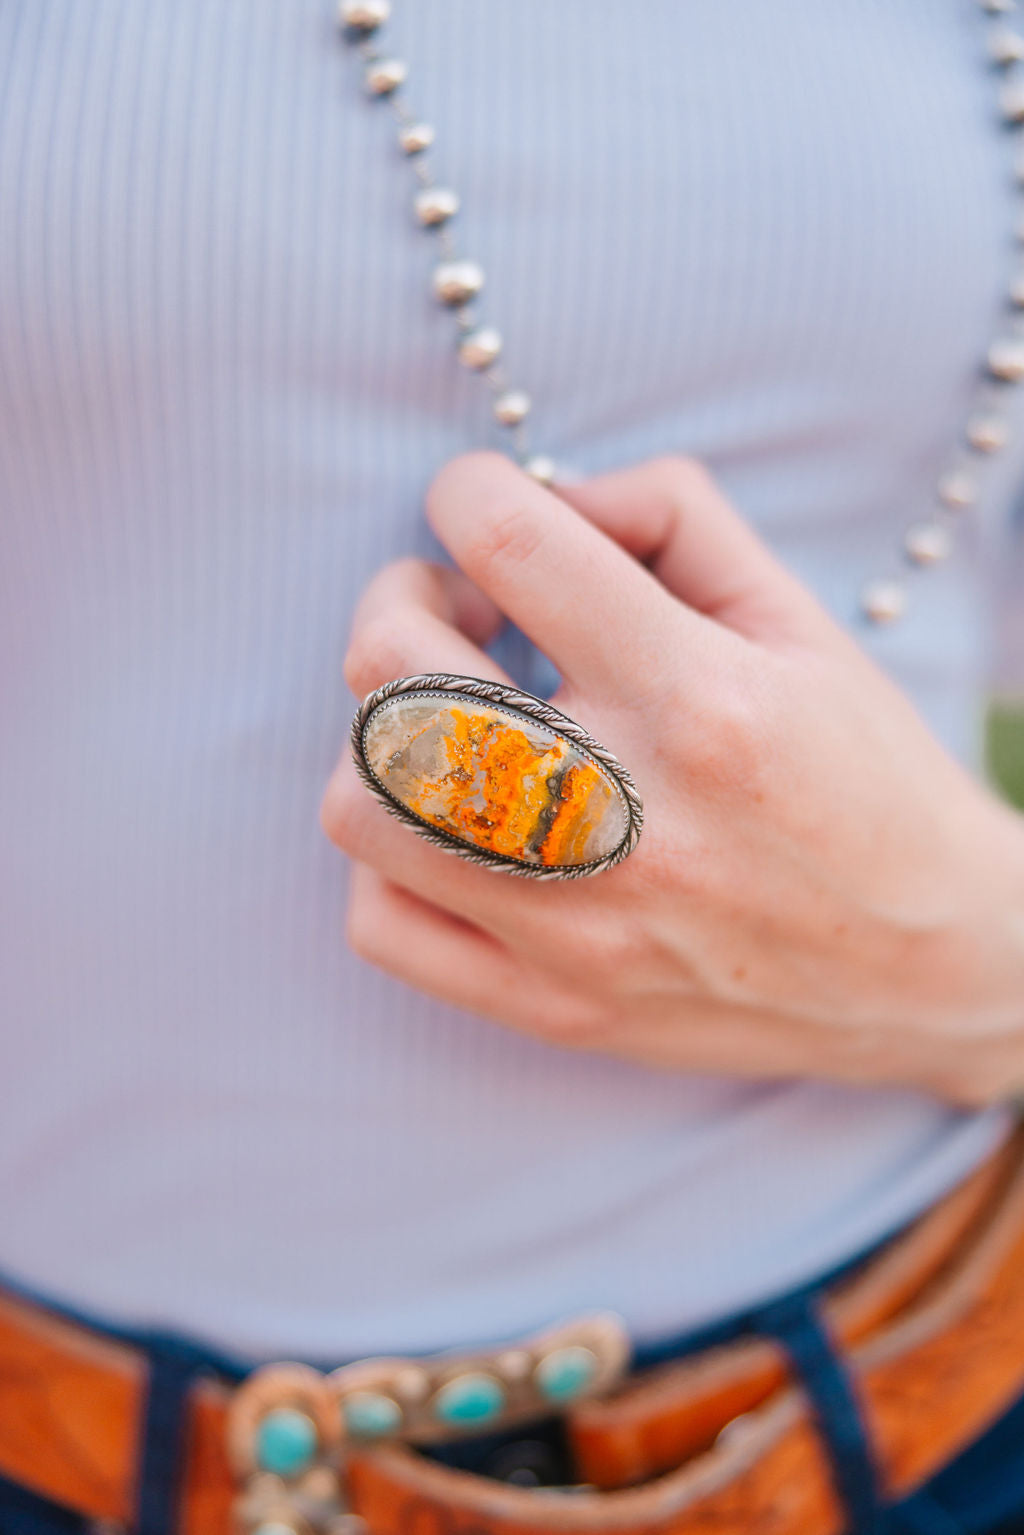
{"type": "Point", "coordinates": [987, 433]}
{"type": "Point", "coordinates": [1005, 46]}
{"type": "Point", "coordinates": [435, 205]}
{"type": "Point", "coordinates": [1015, 292]}
{"type": "Point", "coordinates": [480, 348]}
{"type": "Point", "coordinates": [514, 1364]}
{"type": "Point", "coordinates": [1011, 101]}
{"type": "Point", "coordinates": [1006, 359]}
{"type": "Point", "coordinates": [511, 407]}
{"type": "Point", "coordinates": [998, 7]}
{"type": "Point", "coordinates": [364, 15]}
{"type": "Point", "coordinates": [385, 75]}
{"type": "Point", "coordinates": [956, 490]}
{"type": "Point", "coordinates": [927, 543]}
{"type": "Point", "coordinates": [541, 468]}
{"type": "Point", "coordinates": [456, 282]}
{"type": "Point", "coordinates": [415, 137]}
{"type": "Point", "coordinates": [411, 1385]}
{"type": "Point", "coordinates": [883, 602]}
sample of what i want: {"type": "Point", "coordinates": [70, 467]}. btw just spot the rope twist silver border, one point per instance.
{"type": "Point", "coordinates": [503, 696]}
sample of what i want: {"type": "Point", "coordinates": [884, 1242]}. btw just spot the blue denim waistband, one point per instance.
{"type": "Point", "coordinates": [176, 1362]}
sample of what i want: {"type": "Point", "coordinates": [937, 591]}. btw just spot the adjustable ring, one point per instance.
{"type": "Point", "coordinates": [496, 776]}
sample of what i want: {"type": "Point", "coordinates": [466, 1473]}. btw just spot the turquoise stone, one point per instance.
{"type": "Point", "coordinates": [286, 1441]}
{"type": "Point", "coordinates": [470, 1400]}
{"type": "Point", "coordinates": [565, 1372]}
{"type": "Point", "coordinates": [371, 1414]}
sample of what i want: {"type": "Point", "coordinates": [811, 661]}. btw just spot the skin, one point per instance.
{"type": "Point", "coordinates": [819, 890]}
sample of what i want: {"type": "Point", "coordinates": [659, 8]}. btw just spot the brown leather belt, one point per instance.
{"type": "Point", "coordinates": [717, 1443]}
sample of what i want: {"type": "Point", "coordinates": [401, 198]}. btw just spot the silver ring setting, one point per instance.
{"type": "Point", "coordinates": [497, 776]}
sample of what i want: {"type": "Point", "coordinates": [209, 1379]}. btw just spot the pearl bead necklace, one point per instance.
{"type": "Point", "coordinates": [457, 283]}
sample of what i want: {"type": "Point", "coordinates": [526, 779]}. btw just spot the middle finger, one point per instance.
{"type": "Point", "coordinates": [419, 617]}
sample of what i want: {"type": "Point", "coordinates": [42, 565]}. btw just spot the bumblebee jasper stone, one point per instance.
{"type": "Point", "coordinates": [495, 779]}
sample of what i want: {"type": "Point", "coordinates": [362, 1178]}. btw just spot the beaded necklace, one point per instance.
{"type": "Point", "coordinates": [458, 281]}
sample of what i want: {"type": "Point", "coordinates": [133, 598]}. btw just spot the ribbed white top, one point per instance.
{"type": "Point", "coordinates": [773, 235]}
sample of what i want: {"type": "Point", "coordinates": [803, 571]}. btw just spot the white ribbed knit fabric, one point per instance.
{"type": "Point", "coordinates": [772, 235]}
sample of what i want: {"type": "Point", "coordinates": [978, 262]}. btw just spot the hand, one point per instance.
{"type": "Point", "coordinates": [819, 889]}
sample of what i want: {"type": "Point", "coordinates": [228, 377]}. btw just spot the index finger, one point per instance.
{"type": "Point", "coordinates": [600, 616]}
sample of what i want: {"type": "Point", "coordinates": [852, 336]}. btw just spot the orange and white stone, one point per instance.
{"type": "Point", "coordinates": [495, 780]}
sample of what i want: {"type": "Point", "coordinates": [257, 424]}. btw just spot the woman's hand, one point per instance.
{"type": "Point", "coordinates": [819, 889]}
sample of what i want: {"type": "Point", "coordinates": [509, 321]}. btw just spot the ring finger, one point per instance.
{"type": "Point", "coordinates": [515, 910]}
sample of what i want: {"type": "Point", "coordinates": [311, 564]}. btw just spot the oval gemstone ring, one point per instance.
{"type": "Point", "coordinates": [496, 775]}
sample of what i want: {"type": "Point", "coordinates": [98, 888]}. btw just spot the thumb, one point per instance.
{"type": "Point", "coordinates": [670, 514]}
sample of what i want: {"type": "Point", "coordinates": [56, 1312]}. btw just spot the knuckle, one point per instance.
{"type": "Point", "coordinates": [509, 536]}
{"type": "Point", "coordinates": [401, 581]}
{"type": "Point", "coordinates": [732, 746]}
{"type": "Point", "coordinates": [617, 951]}
{"type": "Point", "coordinates": [376, 653]}
{"type": "Point", "coordinates": [392, 581]}
{"type": "Point", "coordinates": [363, 933]}
{"type": "Point", "coordinates": [685, 478]}
{"type": "Point", "coordinates": [409, 571]}
{"type": "Point", "coordinates": [577, 1023]}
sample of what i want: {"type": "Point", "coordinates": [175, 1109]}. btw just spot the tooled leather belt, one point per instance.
{"type": "Point", "coordinates": [719, 1442]}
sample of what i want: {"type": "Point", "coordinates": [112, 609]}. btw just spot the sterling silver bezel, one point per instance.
{"type": "Point", "coordinates": [516, 702]}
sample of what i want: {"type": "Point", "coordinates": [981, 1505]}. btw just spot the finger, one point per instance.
{"type": "Point", "coordinates": [670, 514]}
{"type": "Point", "coordinates": [602, 618]}
{"type": "Point", "coordinates": [445, 592]}
{"type": "Point", "coordinates": [419, 617]}
{"type": "Point", "coordinates": [451, 959]}
{"type": "Point", "coordinates": [362, 828]}
{"type": "Point", "coordinates": [437, 953]}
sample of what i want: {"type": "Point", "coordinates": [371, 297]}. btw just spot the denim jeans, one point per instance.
{"type": "Point", "coordinates": [980, 1493]}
